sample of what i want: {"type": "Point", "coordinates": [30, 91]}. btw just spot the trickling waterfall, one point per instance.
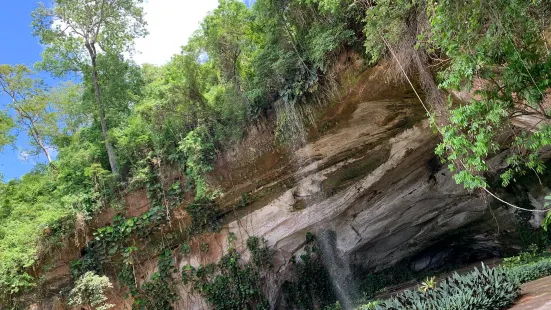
{"type": "Point", "coordinates": [294, 119]}
{"type": "Point", "coordinates": [339, 271]}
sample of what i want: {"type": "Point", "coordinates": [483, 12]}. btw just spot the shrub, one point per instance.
{"type": "Point", "coordinates": [159, 292]}
{"type": "Point", "coordinates": [310, 287]}
{"type": "Point", "coordinates": [531, 256]}
{"type": "Point", "coordinates": [230, 284]}
{"type": "Point", "coordinates": [372, 305]}
{"type": "Point", "coordinates": [532, 271]}
{"type": "Point", "coordinates": [89, 292]}
{"type": "Point", "coordinates": [487, 288]}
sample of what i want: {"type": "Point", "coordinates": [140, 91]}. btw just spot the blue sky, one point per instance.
{"type": "Point", "coordinates": [170, 23]}
{"type": "Point", "coordinates": [18, 47]}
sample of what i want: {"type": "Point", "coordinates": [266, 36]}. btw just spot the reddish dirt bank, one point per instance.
{"type": "Point", "coordinates": [536, 295]}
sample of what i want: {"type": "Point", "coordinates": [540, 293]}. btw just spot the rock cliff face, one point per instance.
{"type": "Point", "coordinates": [367, 183]}
{"type": "Point", "coordinates": [370, 187]}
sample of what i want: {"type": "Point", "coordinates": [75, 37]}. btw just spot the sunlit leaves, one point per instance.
{"type": "Point", "coordinates": [32, 107]}
{"type": "Point", "coordinates": [69, 25]}
{"type": "Point", "coordinates": [6, 125]}
{"type": "Point", "coordinates": [385, 20]}
{"type": "Point", "coordinates": [498, 46]}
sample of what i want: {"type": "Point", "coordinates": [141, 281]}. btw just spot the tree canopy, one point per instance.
{"type": "Point", "coordinates": [123, 124]}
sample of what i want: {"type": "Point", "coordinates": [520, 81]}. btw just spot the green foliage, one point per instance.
{"type": "Point", "coordinates": [386, 21]}
{"type": "Point", "coordinates": [111, 237]}
{"type": "Point", "coordinates": [224, 35]}
{"type": "Point", "coordinates": [31, 105]}
{"type": "Point", "coordinates": [128, 280]}
{"type": "Point", "coordinates": [89, 291]}
{"type": "Point", "coordinates": [547, 220]}
{"type": "Point", "coordinates": [532, 270]}
{"type": "Point", "coordinates": [506, 53]}
{"type": "Point", "coordinates": [311, 287]}
{"type": "Point", "coordinates": [493, 49]}
{"type": "Point", "coordinates": [232, 284]}
{"type": "Point", "coordinates": [478, 118]}
{"type": "Point", "coordinates": [372, 305]}
{"type": "Point", "coordinates": [199, 153]}
{"type": "Point", "coordinates": [139, 122]}
{"type": "Point", "coordinates": [159, 291]}
{"type": "Point", "coordinates": [529, 265]}
{"type": "Point", "coordinates": [260, 253]}
{"type": "Point", "coordinates": [295, 42]}
{"type": "Point", "coordinates": [487, 288]}
{"type": "Point", "coordinates": [428, 284]}
{"type": "Point", "coordinates": [27, 210]}
{"type": "Point", "coordinates": [72, 27]}
{"type": "Point", "coordinates": [532, 255]}
{"type": "Point", "coordinates": [204, 215]}
{"type": "Point", "coordinates": [236, 287]}
{"type": "Point", "coordinates": [335, 306]}
{"type": "Point", "coordinates": [6, 125]}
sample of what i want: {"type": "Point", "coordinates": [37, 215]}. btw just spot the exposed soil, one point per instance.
{"type": "Point", "coordinates": [536, 295]}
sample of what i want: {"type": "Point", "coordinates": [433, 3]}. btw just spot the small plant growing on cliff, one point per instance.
{"type": "Point", "coordinates": [372, 305]}
{"type": "Point", "coordinates": [260, 253]}
{"type": "Point", "coordinates": [204, 247]}
{"type": "Point", "coordinates": [546, 224]}
{"type": "Point", "coordinates": [311, 286]}
{"type": "Point", "coordinates": [428, 284]}
{"type": "Point", "coordinates": [159, 292]}
{"type": "Point", "coordinates": [232, 283]}
{"type": "Point", "coordinates": [89, 292]}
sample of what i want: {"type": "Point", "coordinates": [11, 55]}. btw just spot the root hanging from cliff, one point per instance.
{"type": "Point", "coordinates": [80, 229]}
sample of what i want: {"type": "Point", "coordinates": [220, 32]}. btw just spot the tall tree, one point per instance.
{"type": "Point", "coordinates": [6, 125]}
{"type": "Point", "coordinates": [224, 32]}
{"type": "Point", "coordinates": [30, 103]}
{"type": "Point", "coordinates": [77, 31]}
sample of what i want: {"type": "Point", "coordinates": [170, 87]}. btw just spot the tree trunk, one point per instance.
{"type": "Point", "coordinates": [38, 140]}
{"type": "Point", "coordinates": [32, 126]}
{"type": "Point", "coordinates": [108, 146]}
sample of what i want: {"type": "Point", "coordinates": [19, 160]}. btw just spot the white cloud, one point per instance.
{"type": "Point", "coordinates": [26, 156]}
{"type": "Point", "coordinates": [170, 24]}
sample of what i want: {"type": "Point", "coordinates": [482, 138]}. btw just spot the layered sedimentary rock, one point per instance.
{"type": "Point", "coordinates": [366, 182]}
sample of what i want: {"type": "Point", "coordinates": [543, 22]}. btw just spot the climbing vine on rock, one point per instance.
{"type": "Point", "coordinates": [159, 291]}
{"type": "Point", "coordinates": [232, 283]}
{"type": "Point", "coordinates": [204, 214]}
{"type": "Point", "coordinates": [311, 286]}
{"type": "Point", "coordinates": [119, 239]}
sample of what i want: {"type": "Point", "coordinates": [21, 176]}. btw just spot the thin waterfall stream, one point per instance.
{"type": "Point", "coordinates": [339, 271]}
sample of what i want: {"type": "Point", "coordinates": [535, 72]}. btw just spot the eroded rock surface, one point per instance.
{"type": "Point", "coordinates": [367, 182]}
{"type": "Point", "coordinates": [372, 187]}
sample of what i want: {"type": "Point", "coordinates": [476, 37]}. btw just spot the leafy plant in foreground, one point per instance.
{"type": "Point", "coordinates": [89, 292]}
{"type": "Point", "coordinates": [484, 289]}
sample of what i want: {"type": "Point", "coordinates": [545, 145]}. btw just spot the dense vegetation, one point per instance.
{"type": "Point", "coordinates": [123, 124]}
{"type": "Point", "coordinates": [487, 288]}
{"type": "Point", "coordinates": [119, 127]}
